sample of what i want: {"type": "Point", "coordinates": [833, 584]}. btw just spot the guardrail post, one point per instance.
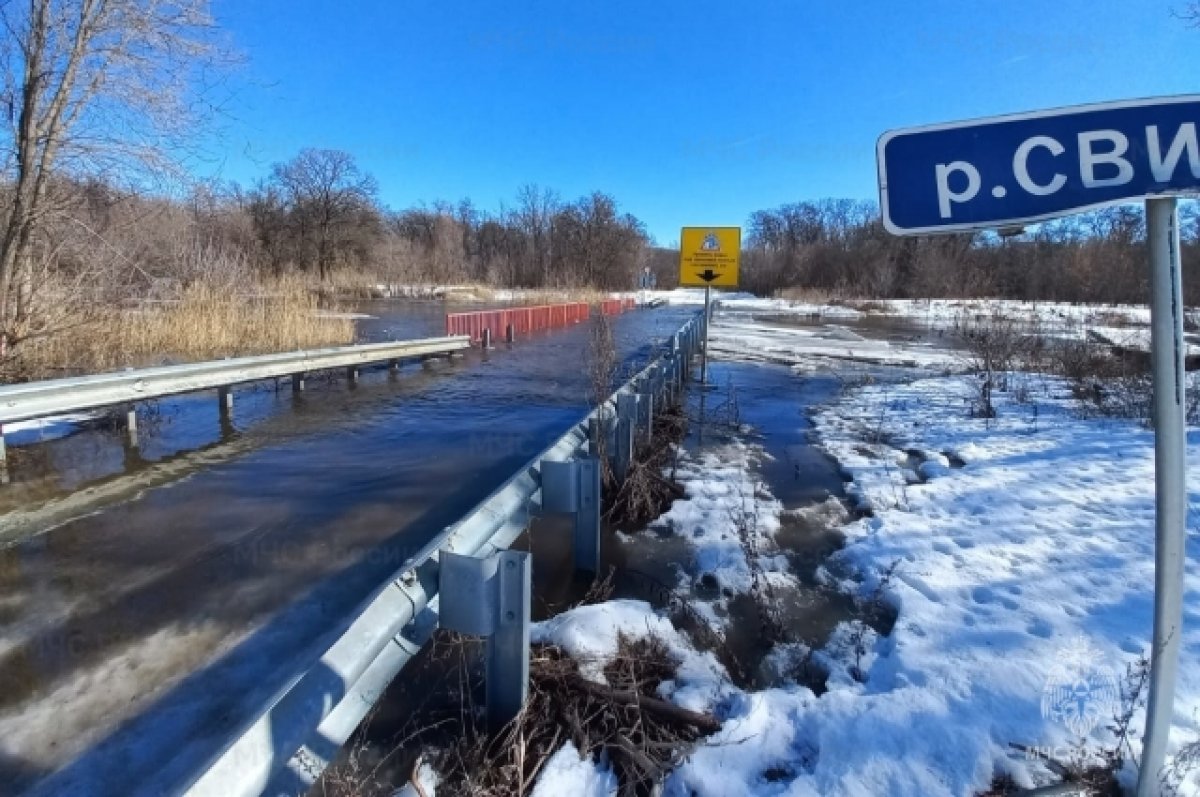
{"type": "Point", "coordinates": [510, 334]}
{"type": "Point", "coordinates": [596, 427]}
{"type": "Point", "coordinates": [298, 382]}
{"type": "Point", "coordinates": [225, 400]}
{"type": "Point", "coordinates": [352, 374]}
{"type": "Point", "coordinates": [656, 384]}
{"type": "Point", "coordinates": [667, 382]}
{"type": "Point", "coordinates": [574, 488]}
{"type": "Point", "coordinates": [645, 407]}
{"type": "Point", "coordinates": [626, 426]}
{"type": "Point", "coordinates": [508, 648]}
{"type": "Point", "coordinates": [491, 598]}
{"type": "Point", "coordinates": [131, 425]}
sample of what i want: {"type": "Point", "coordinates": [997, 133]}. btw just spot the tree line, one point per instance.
{"type": "Point", "coordinates": [318, 215]}
{"type": "Point", "coordinates": [840, 246]}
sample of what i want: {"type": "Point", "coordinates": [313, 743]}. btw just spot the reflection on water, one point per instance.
{"type": "Point", "coordinates": [241, 546]}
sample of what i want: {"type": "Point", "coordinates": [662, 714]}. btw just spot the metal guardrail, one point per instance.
{"type": "Point", "coordinates": [285, 749]}
{"type": "Point", "coordinates": [33, 400]}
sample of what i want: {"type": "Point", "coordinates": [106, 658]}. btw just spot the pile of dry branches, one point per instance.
{"type": "Point", "coordinates": [622, 721]}
{"type": "Point", "coordinates": [645, 492]}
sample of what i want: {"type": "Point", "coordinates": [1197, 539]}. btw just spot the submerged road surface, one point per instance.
{"type": "Point", "coordinates": [152, 600]}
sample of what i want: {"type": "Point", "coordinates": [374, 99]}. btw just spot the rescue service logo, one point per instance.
{"type": "Point", "coordinates": [711, 242]}
{"type": "Point", "coordinates": [1080, 693]}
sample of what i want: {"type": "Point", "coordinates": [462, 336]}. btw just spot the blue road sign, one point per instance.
{"type": "Point", "coordinates": [1011, 170]}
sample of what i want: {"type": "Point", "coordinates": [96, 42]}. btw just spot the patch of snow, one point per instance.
{"type": "Point", "coordinates": [568, 774]}
{"type": "Point", "coordinates": [427, 778]}
{"type": "Point", "coordinates": [848, 654]}
{"type": "Point", "coordinates": [590, 635]}
{"type": "Point", "coordinates": [765, 744]}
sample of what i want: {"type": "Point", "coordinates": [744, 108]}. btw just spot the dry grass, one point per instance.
{"type": "Point", "coordinates": [204, 322]}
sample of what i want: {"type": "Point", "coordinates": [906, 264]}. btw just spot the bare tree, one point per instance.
{"type": "Point", "coordinates": [92, 88]}
{"type": "Point", "coordinates": [534, 217]}
{"type": "Point", "coordinates": [330, 202]}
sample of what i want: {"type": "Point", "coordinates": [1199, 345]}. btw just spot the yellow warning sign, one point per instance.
{"type": "Point", "coordinates": [710, 256]}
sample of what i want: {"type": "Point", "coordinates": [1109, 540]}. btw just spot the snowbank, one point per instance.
{"type": "Point", "coordinates": [937, 313]}
{"type": "Point", "coordinates": [1037, 553]}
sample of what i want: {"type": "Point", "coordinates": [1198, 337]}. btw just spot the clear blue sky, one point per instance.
{"type": "Point", "coordinates": [688, 113]}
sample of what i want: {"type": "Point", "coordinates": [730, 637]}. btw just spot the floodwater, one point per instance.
{"type": "Point", "coordinates": [775, 403]}
{"type": "Point", "coordinates": [152, 599]}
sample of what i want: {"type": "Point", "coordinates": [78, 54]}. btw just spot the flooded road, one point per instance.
{"type": "Point", "coordinates": [151, 599]}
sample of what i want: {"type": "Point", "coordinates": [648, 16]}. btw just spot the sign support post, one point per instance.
{"type": "Point", "coordinates": [1170, 445]}
{"type": "Point", "coordinates": [709, 256]}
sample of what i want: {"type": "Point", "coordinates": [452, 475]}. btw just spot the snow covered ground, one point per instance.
{"type": "Point", "coordinates": [829, 345]}
{"type": "Point", "coordinates": [1028, 566]}
{"type": "Point", "coordinates": [1017, 552]}
{"type": "Point", "coordinates": [1121, 325]}
{"type": "Point", "coordinates": [936, 312]}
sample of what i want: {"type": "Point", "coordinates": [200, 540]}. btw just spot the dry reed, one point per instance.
{"type": "Point", "coordinates": [204, 322]}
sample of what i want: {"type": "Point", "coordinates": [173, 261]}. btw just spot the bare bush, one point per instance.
{"type": "Point", "coordinates": [744, 519]}
{"type": "Point", "coordinates": [996, 345]}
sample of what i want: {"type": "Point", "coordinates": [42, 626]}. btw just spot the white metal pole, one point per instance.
{"type": "Point", "coordinates": [704, 354]}
{"type": "Point", "coordinates": [1170, 438]}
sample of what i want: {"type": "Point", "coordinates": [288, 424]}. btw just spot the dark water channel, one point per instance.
{"type": "Point", "coordinates": [151, 599]}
